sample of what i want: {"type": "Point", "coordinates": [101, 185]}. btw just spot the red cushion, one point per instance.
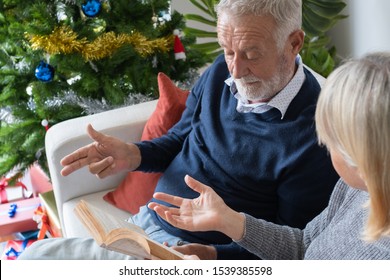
{"type": "Point", "coordinates": [138, 187]}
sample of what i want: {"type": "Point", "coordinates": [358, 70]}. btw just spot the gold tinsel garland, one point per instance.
{"type": "Point", "coordinates": [63, 40]}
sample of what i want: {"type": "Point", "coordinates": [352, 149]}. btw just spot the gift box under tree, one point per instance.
{"type": "Point", "coordinates": [14, 248]}
{"type": "Point", "coordinates": [49, 209]}
{"type": "Point", "coordinates": [33, 182]}
{"type": "Point", "coordinates": [10, 192]}
{"type": "Point", "coordinates": [18, 218]}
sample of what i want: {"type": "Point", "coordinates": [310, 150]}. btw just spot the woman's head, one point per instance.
{"type": "Point", "coordinates": [353, 120]}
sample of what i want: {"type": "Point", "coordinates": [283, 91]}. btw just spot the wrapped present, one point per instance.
{"type": "Point", "coordinates": [50, 221]}
{"type": "Point", "coordinates": [30, 234]}
{"type": "Point", "coordinates": [12, 192]}
{"type": "Point", "coordinates": [40, 182]}
{"type": "Point", "coordinates": [29, 184]}
{"type": "Point", "coordinates": [14, 248]}
{"type": "Point", "coordinates": [18, 216]}
{"type": "Point", "coordinates": [40, 217]}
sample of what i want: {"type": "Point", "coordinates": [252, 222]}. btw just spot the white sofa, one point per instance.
{"type": "Point", "coordinates": [63, 138]}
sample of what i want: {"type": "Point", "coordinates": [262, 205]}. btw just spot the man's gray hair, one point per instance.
{"type": "Point", "coordinates": [287, 13]}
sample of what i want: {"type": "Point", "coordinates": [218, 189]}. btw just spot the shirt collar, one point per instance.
{"type": "Point", "coordinates": [281, 101]}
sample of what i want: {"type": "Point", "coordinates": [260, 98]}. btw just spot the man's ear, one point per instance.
{"type": "Point", "coordinates": [296, 40]}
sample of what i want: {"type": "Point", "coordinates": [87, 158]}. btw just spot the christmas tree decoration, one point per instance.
{"type": "Point", "coordinates": [165, 16]}
{"type": "Point", "coordinates": [155, 20]}
{"type": "Point", "coordinates": [108, 43]}
{"type": "Point", "coordinates": [63, 40]}
{"type": "Point", "coordinates": [101, 63]}
{"type": "Point", "coordinates": [45, 124]}
{"type": "Point", "coordinates": [161, 19]}
{"type": "Point", "coordinates": [154, 62]}
{"type": "Point", "coordinates": [6, 116]}
{"type": "Point", "coordinates": [29, 90]}
{"type": "Point", "coordinates": [44, 72]}
{"type": "Point", "coordinates": [91, 8]}
{"type": "Point", "coordinates": [178, 47]}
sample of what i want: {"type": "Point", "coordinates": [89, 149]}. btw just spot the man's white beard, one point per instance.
{"type": "Point", "coordinates": [262, 90]}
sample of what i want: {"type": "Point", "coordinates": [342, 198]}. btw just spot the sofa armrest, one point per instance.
{"type": "Point", "coordinates": [63, 138]}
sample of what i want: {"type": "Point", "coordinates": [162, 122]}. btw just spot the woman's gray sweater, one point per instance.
{"type": "Point", "coordinates": [335, 234]}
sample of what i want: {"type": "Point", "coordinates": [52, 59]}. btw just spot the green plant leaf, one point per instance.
{"type": "Point", "coordinates": [210, 5]}
{"type": "Point", "coordinates": [200, 19]}
{"type": "Point", "coordinates": [207, 47]}
{"type": "Point", "coordinates": [318, 40]}
{"type": "Point", "coordinates": [317, 22]}
{"type": "Point", "coordinates": [207, 6]}
{"type": "Point", "coordinates": [200, 33]}
{"type": "Point", "coordinates": [325, 9]}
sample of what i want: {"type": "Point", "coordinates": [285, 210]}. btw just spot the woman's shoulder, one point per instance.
{"type": "Point", "coordinates": [345, 196]}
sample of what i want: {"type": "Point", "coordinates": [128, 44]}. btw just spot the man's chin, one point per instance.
{"type": "Point", "coordinates": [253, 97]}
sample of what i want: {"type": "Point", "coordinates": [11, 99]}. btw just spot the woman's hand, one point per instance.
{"type": "Point", "coordinates": [106, 156]}
{"type": "Point", "coordinates": [207, 212]}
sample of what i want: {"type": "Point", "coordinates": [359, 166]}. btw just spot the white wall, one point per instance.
{"type": "Point", "coordinates": [366, 29]}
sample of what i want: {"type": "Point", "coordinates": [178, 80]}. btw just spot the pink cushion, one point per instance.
{"type": "Point", "coordinates": [138, 187]}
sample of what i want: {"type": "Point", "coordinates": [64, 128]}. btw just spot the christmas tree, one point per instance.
{"type": "Point", "coordinates": [64, 59]}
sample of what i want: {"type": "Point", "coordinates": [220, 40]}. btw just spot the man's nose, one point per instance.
{"type": "Point", "coordinates": [239, 68]}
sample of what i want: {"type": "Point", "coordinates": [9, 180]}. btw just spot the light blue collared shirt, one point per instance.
{"type": "Point", "coordinates": [280, 101]}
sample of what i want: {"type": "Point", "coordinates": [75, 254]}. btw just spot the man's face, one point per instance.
{"type": "Point", "coordinates": [259, 68]}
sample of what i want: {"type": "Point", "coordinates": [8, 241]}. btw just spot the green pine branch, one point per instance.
{"type": "Point", "coordinates": [110, 81]}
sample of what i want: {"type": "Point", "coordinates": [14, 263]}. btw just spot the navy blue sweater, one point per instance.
{"type": "Point", "coordinates": [260, 164]}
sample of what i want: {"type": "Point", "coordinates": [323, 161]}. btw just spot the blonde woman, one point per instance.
{"type": "Point", "coordinates": [353, 121]}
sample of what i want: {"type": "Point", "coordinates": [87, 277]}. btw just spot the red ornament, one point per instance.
{"type": "Point", "coordinates": [178, 47]}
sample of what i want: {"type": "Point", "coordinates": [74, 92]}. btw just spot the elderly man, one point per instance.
{"type": "Point", "coordinates": [248, 131]}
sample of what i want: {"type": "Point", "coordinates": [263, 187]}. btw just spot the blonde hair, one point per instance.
{"type": "Point", "coordinates": [286, 13]}
{"type": "Point", "coordinates": [353, 117]}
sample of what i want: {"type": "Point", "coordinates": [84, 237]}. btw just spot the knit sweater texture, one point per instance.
{"type": "Point", "coordinates": [335, 234]}
{"type": "Point", "coordinates": [260, 164]}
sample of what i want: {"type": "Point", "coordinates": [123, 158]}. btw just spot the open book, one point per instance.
{"type": "Point", "coordinates": [121, 236]}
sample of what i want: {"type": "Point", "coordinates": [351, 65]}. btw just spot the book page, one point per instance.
{"type": "Point", "coordinates": [128, 242]}
{"type": "Point", "coordinates": [109, 222]}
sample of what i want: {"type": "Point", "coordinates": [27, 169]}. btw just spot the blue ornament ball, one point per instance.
{"type": "Point", "coordinates": [44, 72]}
{"type": "Point", "coordinates": [91, 8]}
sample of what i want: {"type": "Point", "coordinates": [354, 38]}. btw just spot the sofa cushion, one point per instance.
{"type": "Point", "coordinates": [137, 188]}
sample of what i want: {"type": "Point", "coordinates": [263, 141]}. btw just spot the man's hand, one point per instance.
{"type": "Point", "coordinates": [197, 251]}
{"type": "Point", "coordinates": [207, 212]}
{"type": "Point", "coordinates": [105, 156]}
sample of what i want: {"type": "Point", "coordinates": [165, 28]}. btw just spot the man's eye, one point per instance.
{"type": "Point", "coordinates": [252, 56]}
